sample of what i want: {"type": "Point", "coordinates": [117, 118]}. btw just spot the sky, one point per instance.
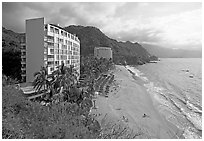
{"type": "Point", "coordinates": [169, 24]}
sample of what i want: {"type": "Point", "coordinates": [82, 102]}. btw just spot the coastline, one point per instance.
{"type": "Point", "coordinates": [130, 106]}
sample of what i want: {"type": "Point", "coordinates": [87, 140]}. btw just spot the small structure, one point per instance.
{"type": "Point", "coordinates": [103, 52]}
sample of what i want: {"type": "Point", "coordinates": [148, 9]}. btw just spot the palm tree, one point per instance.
{"type": "Point", "coordinates": [41, 80]}
{"type": "Point", "coordinates": [63, 79]}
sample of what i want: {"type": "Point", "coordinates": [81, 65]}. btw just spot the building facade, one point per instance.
{"type": "Point", "coordinates": [47, 45]}
{"type": "Point", "coordinates": [103, 52]}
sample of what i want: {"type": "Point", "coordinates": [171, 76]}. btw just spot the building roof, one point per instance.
{"type": "Point", "coordinates": [58, 26]}
{"type": "Point", "coordinates": [102, 48]}
{"type": "Point", "coordinates": [62, 29]}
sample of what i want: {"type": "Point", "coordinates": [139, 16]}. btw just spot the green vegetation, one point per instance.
{"type": "Point", "coordinates": [11, 54]}
{"type": "Point", "coordinates": [66, 115]}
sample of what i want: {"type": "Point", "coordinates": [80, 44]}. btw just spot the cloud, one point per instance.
{"type": "Point", "coordinates": [168, 24]}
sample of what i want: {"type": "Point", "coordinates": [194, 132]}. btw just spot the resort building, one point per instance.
{"type": "Point", "coordinates": [47, 45]}
{"type": "Point", "coordinates": [103, 52]}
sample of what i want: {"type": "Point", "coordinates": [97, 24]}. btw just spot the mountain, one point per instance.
{"type": "Point", "coordinates": [11, 54]}
{"type": "Point", "coordinates": [163, 52]}
{"type": "Point", "coordinates": [10, 40]}
{"type": "Point", "coordinates": [90, 37]}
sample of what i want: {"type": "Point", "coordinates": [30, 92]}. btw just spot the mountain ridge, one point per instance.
{"type": "Point", "coordinates": [91, 37]}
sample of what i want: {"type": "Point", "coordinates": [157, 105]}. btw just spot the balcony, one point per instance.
{"type": "Point", "coordinates": [23, 56]}
{"type": "Point", "coordinates": [23, 69]}
{"type": "Point", "coordinates": [50, 59]}
{"type": "Point", "coordinates": [50, 40]}
{"type": "Point", "coordinates": [23, 62]}
{"type": "Point", "coordinates": [49, 46]}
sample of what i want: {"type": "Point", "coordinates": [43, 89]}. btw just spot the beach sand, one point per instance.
{"type": "Point", "coordinates": [129, 105]}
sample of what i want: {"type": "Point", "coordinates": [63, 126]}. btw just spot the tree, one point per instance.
{"type": "Point", "coordinates": [63, 78]}
{"type": "Point", "coordinates": [41, 80]}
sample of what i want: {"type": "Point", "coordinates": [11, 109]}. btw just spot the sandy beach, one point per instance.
{"type": "Point", "coordinates": [129, 105]}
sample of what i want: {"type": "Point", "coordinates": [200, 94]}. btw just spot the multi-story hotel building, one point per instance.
{"type": "Point", "coordinates": [47, 45]}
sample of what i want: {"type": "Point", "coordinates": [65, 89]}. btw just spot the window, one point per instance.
{"type": "Point", "coordinates": [56, 31]}
{"type": "Point", "coordinates": [69, 43]}
{"type": "Point", "coordinates": [50, 56]}
{"type": "Point", "coordinates": [22, 39]}
{"type": "Point", "coordinates": [51, 69]}
{"type": "Point", "coordinates": [60, 51]}
{"type": "Point", "coordinates": [65, 34]}
{"type": "Point", "coordinates": [61, 40]}
{"type": "Point", "coordinates": [56, 51]}
{"type": "Point", "coordinates": [23, 65]}
{"type": "Point", "coordinates": [23, 59]}
{"type": "Point", "coordinates": [50, 45]}
{"type": "Point", "coordinates": [64, 46]}
{"type": "Point", "coordinates": [23, 71]}
{"type": "Point", "coordinates": [51, 29]}
{"type": "Point", "coordinates": [70, 53]}
{"type": "Point", "coordinates": [52, 51]}
{"type": "Point", "coordinates": [50, 63]}
{"type": "Point", "coordinates": [62, 33]}
{"type": "Point", "coordinates": [23, 47]}
{"type": "Point", "coordinates": [56, 62]}
{"type": "Point", "coordinates": [72, 36]}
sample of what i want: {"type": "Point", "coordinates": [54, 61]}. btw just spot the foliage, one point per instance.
{"type": "Point", "coordinates": [41, 80]}
{"type": "Point", "coordinates": [11, 54]}
{"type": "Point", "coordinates": [6, 80]}
{"type": "Point", "coordinates": [64, 77]}
{"type": "Point", "coordinates": [11, 64]}
{"type": "Point", "coordinates": [93, 67]}
{"type": "Point", "coordinates": [25, 119]}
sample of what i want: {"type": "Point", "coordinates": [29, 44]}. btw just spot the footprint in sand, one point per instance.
{"type": "Point", "coordinates": [144, 116]}
{"type": "Point", "coordinates": [125, 119]}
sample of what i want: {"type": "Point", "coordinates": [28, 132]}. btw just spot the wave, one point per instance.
{"type": "Point", "coordinates": [174, 99]}
{"type": "Point", "coordinates": [137, 73]}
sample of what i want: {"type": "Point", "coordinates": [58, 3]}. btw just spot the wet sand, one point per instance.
{"type": "Point", "coordinates": [129, 105]}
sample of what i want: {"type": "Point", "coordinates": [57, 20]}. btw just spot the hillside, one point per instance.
{"type": "Point", "coordinates": [172, 53]}
{"type": "Point", "coordinates": [91, 37]}
{"type": "Point", "coordinates": [10, 40]}
{"type": "Point", "coordinates": [11, 54]}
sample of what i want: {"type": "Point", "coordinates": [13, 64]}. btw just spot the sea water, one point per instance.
{"type": "Point", "coordinates": [175, 85]}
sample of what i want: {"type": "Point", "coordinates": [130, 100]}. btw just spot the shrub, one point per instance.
{"type": "Point", "coordinates": [25, 119]}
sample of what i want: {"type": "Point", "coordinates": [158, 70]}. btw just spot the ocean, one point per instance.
{"type": "Point", "coordinates": [175, 86]}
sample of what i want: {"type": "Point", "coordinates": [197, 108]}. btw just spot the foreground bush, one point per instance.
{"type": "Point", "coordinates": [25, 119]}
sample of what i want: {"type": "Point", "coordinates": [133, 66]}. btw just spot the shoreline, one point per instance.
{"type": "Point", "coordinates": [129, 105]}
